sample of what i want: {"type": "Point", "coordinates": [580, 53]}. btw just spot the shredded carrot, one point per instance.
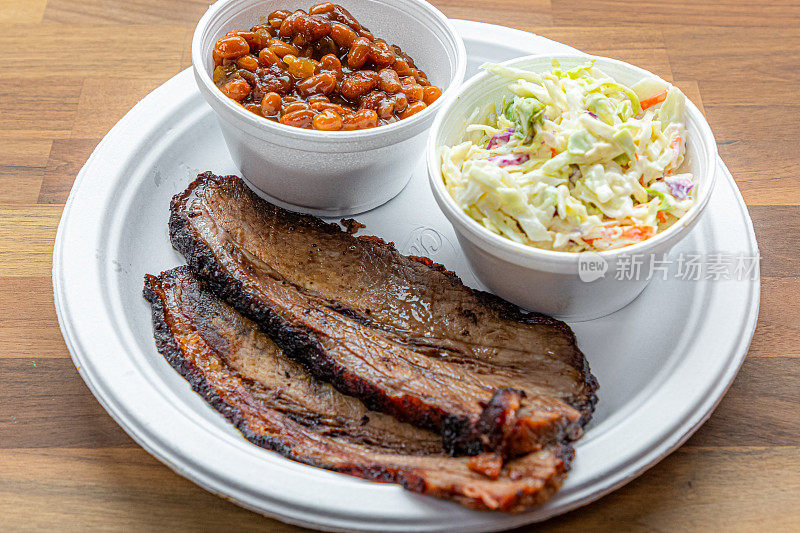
{"type": "Point", "coordinates": [639, 233]}
{"type": "Point", "coordinates": [653, 100]}
{"type": "Point", "coordinates": [553, 152]}
{"type": "Point", "coordinates": [661, 216]}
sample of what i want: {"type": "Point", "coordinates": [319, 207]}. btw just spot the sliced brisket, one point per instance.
{"type": "Point", "coordinates": [278, 405]}
{"type": "Point", "coordinates": [400, 333]}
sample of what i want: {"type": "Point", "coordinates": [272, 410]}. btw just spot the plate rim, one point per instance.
{"type": "Point", "coordinates": [643, 464]}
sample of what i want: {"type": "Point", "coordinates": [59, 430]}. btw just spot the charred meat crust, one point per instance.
{"type": "Point", "coordinates": [351, 225]}
{"type": "Point", "coordinates": [585, 403]}
{"type": "Point", "coordinates": [275, 380]}
{"type": "Point", "coordinates": [460, 488]}
{"type": "Point", "coordinates": [167, 347]}
{"type": "Point", "coordinates": [304, 346]}
{"type": "Point", "coordinates": [498, 416]}
{"type": "Point", "coordinates": [458, 432]}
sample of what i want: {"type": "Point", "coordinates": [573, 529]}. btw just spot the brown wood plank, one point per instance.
{"type": "Point", "coordinates": [741, 65]}
{"type": "Point", "coordinates": [112, 490]}
{"type": "Point", "coordinates": [31, 329]}
{"type": "Point", "coordinates": [700, 489]}
{"type": "Point", "coordinates": [143, 52]}
{"type": "Point", "coordinates": [763, 160]}
{"type": "Point", "coordinates": [65, 161]}
{"type": "Point", "coordinates": [777, 231]}
{"type": "Point", "coordinates": [681, 12]}
{"type": "Point", "coordinates": [27, 234]}
{"type": "Point", "coordinates": [119, 96]}
{"type": "Point", "coordinates": [22, 163]}
{"type": "Point", "coordinates": [20, 184]}
{"type": "Point", "coordinates": [760, 408]}
{"type": "Point", "coordinates": [29, 114]}
{"type": "Point", "coordinates": [503, 12]}
{"type": "Point", "coordinates": [26, 12]}
{"type": "Point", "coordinates": [177, 12]}
{"type": "Point", "coordinates": [51, 407]}
{"type": "Point", "coordinates": [778, 329]}
{"type": "Point", "coordinates": [25, 152]}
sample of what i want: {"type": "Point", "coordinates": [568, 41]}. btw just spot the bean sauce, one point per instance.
{"type": "Point", "coordinates": [320, 70]}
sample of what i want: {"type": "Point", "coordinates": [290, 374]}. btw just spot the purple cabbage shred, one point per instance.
{"type": "Point", "coordinates": [500, 139]}
{"type": "Point", "coordinates": [513, 159]}
{"type": "Point", "coordinates": [679, 186]}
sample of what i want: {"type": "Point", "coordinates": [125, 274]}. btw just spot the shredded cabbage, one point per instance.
{"type": "Point", "coordinates": [572, 160]}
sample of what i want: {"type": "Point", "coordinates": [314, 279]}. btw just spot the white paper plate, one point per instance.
{"type": "Point", "coordinates": [663, 362]}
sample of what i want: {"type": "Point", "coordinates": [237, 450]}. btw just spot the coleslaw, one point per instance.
{"type": "Point", "coordinates": [573, 160]}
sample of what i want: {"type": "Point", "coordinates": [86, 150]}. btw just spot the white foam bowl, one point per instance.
{"type": "Point", "coordinates": [549, 281]}
{"type": "Point", "coordinates": [341, 172]}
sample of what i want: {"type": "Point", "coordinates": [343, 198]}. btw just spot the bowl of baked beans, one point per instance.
{"type": "Point", "coordinates": [325, 107]}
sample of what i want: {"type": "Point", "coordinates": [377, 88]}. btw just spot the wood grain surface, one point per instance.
{"type": "Point", "coordinates": [72, 68]}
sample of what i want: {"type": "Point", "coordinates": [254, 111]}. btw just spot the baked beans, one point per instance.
{"type": "Point", "coordinates": [320, 70]}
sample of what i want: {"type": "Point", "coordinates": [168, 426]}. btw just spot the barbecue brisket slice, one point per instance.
{"type": "Point", "coordinates": [278, 405]}
{"type": "Point", "coordinates": [401, 334]}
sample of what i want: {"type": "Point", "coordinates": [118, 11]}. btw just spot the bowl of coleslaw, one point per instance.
{"type": "Point", "coordinates": [556, 171]}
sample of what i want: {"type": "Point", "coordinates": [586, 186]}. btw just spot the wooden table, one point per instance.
{"type": "Point", "coordinates": [71, 68]}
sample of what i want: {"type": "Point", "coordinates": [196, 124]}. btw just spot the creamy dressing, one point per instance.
{"type": "Point", "coordinates": [572, 160]}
